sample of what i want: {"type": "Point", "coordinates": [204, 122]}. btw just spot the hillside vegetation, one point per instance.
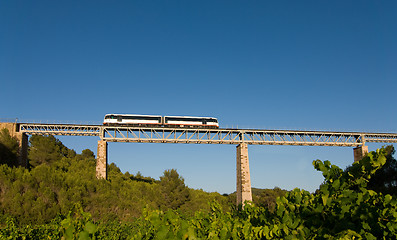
{"type": "Point", "coordinates": [60, 197]}
{"type": "Point", "coordinates": [58, 179]}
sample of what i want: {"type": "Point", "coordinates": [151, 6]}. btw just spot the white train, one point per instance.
{"type": "Point", "coordinates": [160, 121]}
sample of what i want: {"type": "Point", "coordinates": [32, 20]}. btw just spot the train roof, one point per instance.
{"type": "Point", "coordinates": [191, 117]}
{"type": "Point", "coordinates": [138, 115]}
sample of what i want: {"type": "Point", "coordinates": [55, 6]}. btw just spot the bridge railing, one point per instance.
{"type": "Point", "coordinates": [59, 122]}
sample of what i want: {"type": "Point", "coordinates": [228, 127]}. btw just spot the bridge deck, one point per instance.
{"type": "Point", "coordinates": [210, 136]}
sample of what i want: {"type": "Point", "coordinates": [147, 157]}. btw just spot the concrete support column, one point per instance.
{"type": "Point", "coordinates": [102, 160]}
{"type": "Point", "coordinates": [243, 175]}
{"type": "Point", "coordinates": [360, 152]}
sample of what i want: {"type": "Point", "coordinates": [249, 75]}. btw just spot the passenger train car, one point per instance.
{"type": "Point", "coordinates": [160, 121]}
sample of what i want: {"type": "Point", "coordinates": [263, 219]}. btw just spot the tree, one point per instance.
{"type": "Point", "coordinates": [46, 149]}
{"type": "Point", "coordinates": [87, 153]}
{"type": "Point", "coordinates": [267, 197]}
{"type": "Point", "coordinates": [8, 148]}
{"type": "Point", "coordinates": [385, 179]}
{"type": "Point", "coordinates": [173, 190]}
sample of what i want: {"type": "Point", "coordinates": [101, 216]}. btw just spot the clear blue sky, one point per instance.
{"type": "Point", "coordinates": [310, 65]}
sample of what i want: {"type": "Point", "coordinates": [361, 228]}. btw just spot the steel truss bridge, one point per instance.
{"type": "Point", "coordinates": [239, 137]}
{"type": "Point", "coordinates": [210, 136]}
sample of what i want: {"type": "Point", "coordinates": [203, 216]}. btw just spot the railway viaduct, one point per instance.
{"type": "Point", "coordinates": [239, 137]}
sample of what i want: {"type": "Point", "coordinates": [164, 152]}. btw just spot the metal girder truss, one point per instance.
{"type": "Point", "coordinates": [230, 136]}
{"type": "Point", "coordinates": [210, 136]}
{"type": "Point", "coordinates": [381, 137]}
{"type": "Point", "coordinates": [60, 129]}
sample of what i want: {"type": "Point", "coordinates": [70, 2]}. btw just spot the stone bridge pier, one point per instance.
{"type": "Point", "coordinates": [360, 152]}
{"type": "Point", "coordinates": [243, 175]}
{"type": "Point", "coordinates": [102, 160]}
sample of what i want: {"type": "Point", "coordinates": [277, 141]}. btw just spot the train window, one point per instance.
{"type": "Point", "coordinates": [181, 119]}
{"type": "Point", "coordinates": [212, 120]}
{"type": "Point", "coordinates": [187, 119]}
{"type": "Point", "coordinates": [150, 118]}
{"type": "Point", "coordinates": [143, 117]}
